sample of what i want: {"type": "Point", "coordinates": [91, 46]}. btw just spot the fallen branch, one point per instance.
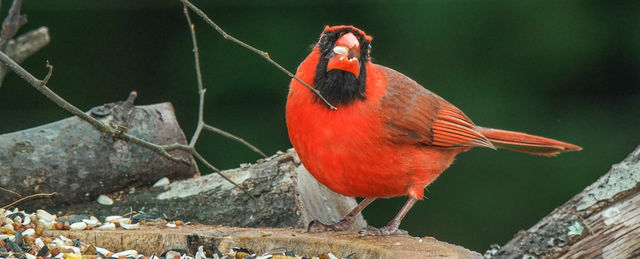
{"type": "Point", "coordinates": [79, 163]}
{"type": "Point", "coordinates": [286, 196]}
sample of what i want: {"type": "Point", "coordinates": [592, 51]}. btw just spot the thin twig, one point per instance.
{"type": "Point", "coordinates": [200, 124]}
{"type": "Point", "coordinates": [196, 56]}
{"type": "Point", "coordinates": [263, 54]}
{"type": "Point", "coordinates": [48, 76]}
{"type": "Point", "coordinates": [28, 197]}
{"type": "Point", "coordinates": [160, 149]}
{"type": "Point", "coordinates": [201, 91]}
{"type": "Point", "coordinates": [10, 191]}
{"type": "Point", "coordinates": [24, 46]}
{"type": "Point", "coordinates": [231, 136]}
{"type": "Point", "coordinates": [210, 166]}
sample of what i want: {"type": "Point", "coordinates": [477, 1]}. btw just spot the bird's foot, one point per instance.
{"type": "Point", "coordinates": [383, 231]}
{"type": "Point", "coordinates": [338, 226]}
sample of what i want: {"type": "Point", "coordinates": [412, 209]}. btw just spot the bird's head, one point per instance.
{"type": "Point", "coordinates": [341, 71]}
{"type": "Point", "coordinates": [345, 48]}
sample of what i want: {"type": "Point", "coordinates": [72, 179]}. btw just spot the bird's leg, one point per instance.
{"type": "Point", "coordinates": [345, 222]}
{"type": "Point", "coordinates": [392, 227]}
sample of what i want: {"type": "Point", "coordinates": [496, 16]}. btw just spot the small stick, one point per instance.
{"type": "Point", "coordinates": [210, 166]}
{"type": "Point", "coordinates": [10, 191]}
{"type": "Point", "coordinates": [28, 197]}
{"type": "Point", "coordinates": [231, 136]}
{"type": "Point", "coordinates": [202, 91]}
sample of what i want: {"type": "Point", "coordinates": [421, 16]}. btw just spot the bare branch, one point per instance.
{"type": "Point", "coordinates": [24, 46]}
{"type": "Point", "coordinates": [263, 54]}
{"type": "Point", "coordinates": [200, 124]}
{"type": "Point", "coordinates": [48, 76]}
{"type": "Point", "coordinates": [160, 149]}
{"type": "Point", "coordinates": [210, 166]}
{"type": "Point", "coordinates": [196, 56]}
{"type": "Point", "coordinates": [231, 136]}
{"type": "Point", "coordinates": [12, 23]}
{"type": "Point", "coordinates": [202, 91]}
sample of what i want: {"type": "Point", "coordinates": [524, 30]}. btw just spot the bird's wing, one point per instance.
{"type": "Point", "coordinates": [414, 115]}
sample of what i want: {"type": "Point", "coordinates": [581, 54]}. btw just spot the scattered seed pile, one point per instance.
{"type": "Point", "coordinates": [21, 236]}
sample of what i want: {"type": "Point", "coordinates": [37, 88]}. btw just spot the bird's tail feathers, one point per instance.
{"type": "Point", "coordinates": [526, 143]}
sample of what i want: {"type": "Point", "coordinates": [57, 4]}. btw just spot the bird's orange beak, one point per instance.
{"type": "Point", "coordinates": [345, 55]}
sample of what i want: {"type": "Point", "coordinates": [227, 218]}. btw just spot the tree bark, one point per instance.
{"type": "Point", "coordinates": [603, 221]}
{"type": "Point", "coordinates": [77, 162]}
{"type": "Point", "coordinates": [286, 195]}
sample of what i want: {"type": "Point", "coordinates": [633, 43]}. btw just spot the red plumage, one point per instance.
{"type": "Point", "coordinates": [393, 139]}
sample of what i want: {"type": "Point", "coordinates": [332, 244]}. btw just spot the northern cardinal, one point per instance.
{"type": "Point", "coordinates": [389, 136]}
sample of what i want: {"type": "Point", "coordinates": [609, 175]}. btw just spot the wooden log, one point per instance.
{"type": "Point", "coordinates": [286, 195]}
{"type": "Point", "coordinates": [155, 240]}
{"type": "Point", "coordinates": [77, 162]}
{"type": "Point", "coordinates": [602, 221]}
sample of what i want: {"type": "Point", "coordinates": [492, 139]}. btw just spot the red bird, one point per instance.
{"type": "Point", "coordinates": [389, 136]}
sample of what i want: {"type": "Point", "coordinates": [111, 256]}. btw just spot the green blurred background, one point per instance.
{"type": "Point", "coordinates": [565, 70]}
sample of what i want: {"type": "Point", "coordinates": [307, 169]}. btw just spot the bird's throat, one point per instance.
{"type": "Point", "coordinates": [340, 87]}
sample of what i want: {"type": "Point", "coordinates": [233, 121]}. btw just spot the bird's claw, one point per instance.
{"type": "Point", "coordinates": [383, 231]}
